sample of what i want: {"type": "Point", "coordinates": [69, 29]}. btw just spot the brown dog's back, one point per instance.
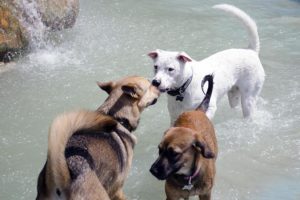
{"type": "Point", "coordinates": [198, 121]}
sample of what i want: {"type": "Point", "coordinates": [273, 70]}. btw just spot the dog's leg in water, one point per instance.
{"type": "Point", "coordinates": [212, 108]}
{"type": "Point", "coordinates": [248, 105]}
{"type": "Point", "coordinates": [119, 195]}
{"type": "Point", "coordinates": [205, 197]}
{"type": "Point", "coordinates": [87, 186]}
{"type": "Point", "coordinates": [234, 97]}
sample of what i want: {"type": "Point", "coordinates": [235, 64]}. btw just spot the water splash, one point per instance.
{"type": "Point", "coordinates": [31, 20]}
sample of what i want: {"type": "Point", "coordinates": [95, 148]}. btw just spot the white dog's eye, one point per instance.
{"type": "Point", "coordinates": [170, 69]}
{"type": "Point", "coordinates": [155, 67]}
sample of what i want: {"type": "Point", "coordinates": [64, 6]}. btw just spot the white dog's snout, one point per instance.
{"type": "Point", "coordinates": [156, 82]}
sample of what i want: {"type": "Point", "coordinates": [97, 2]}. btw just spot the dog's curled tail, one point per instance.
{"type": "Point", "coordinates": [247, 21]}
{"type": "Point", "coordinates": [205, 102]}
{"type": "Point", "coordinates": [62, 128]}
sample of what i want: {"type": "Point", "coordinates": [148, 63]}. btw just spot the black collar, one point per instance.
{"type": "Point", "coordinates": [125, 122]}
{"type": "Point", "coordinates": [179, 91]}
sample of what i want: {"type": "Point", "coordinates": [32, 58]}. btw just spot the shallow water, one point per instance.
{"type": "Point", "coordinates": [258, 159]}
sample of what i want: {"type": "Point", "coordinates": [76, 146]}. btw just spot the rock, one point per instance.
{"type": "Point", "coordinates": [20, 21]}
{"type": "Point", "coordinates": [12, 38]}
{"type": "Point", "coordinates": [58, 14]}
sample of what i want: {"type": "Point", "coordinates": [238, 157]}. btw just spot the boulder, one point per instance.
{"type": "Point", "coordinates": [12, 38]}
{"type": "Point", "coordinates": [58, 14]}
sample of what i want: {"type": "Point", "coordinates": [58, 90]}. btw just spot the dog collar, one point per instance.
{"type": "Point", "coordinates": [125, 122]}
{"type": "Point", "coordinates": [189, 186]}
{"type": "Point", "coordinates": [179, 91]}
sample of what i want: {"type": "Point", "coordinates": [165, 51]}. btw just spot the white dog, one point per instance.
{"type": "Point", "coordinates": [237, 72]}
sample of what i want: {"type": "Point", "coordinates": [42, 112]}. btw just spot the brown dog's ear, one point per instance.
{"type": "Point", "coordinates": [133, 90]}
{"type": "Point", "coordinates": [183, 57]}
{"type": "Point", "coordinates": [203, 149]}
{"type": "Point", "coordinates": [106, 86]}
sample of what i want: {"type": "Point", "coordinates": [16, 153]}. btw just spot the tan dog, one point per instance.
{"type": "Point", "coordinates": [187, 154]}
{"type": "Point", "coordinates": [90, 152]}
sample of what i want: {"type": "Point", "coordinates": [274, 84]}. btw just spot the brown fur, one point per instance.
{"type": "Point", "coordinates": [199, 128]}
{"type": "Point", "coordinates": [90, 152]}
{"type": "Point", "coordinates": [188, 150]}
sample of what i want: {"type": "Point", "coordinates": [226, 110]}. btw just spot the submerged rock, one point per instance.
{"type": "Point", "coordinates": [20, 18]}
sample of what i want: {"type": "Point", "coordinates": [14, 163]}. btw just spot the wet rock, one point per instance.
{"type": "Point", "coordinates": [58, 14]}
{"type": "Point", "coordinates": [12, 39]}
{"type": "Point", "coordinates": [24, 22]}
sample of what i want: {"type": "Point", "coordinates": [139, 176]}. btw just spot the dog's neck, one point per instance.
{"type": "Point", "coordinates": [122, 120]}
{"type": "Point", "coordinates": [179, 91]}
{"type": "Point", "coordinates": [186, 74]}
{"type": "Point", "coordinates": [191, 177]}
{"type": "Point", "coordinates": [125, 123]}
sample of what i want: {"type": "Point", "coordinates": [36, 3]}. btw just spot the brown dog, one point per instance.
{"type": "Point", "coordinates": [90, 152]}
{"type": "Point", "coordinates": [187, 153]}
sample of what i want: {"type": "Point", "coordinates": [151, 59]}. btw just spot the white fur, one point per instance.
{"type": "Point", "coordinates": [237, 73]}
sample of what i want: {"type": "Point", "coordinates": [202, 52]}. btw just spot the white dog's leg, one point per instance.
{"type": "Point", "coordinates": [210, 113]}
{"type": "Point", "coordinates": [249, 95]}
{"type": "Point", "coordinates": [248, 105]}
{"type": "Point", "coordinates": [234, 97]}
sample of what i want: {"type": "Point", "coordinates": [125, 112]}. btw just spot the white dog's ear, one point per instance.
{"type": "Point", "coordinates": [183, 57]}
{"type": "Point", "coordinates": [153, 54]}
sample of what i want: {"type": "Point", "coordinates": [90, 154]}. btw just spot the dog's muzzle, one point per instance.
{"type": "Point", "coordinates": [157, 172]}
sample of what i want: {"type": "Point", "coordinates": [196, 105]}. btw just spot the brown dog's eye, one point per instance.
{"type": "Point", "coordinates": [173, 156]}
{"type": "Point", "coordinates": [172, 153]}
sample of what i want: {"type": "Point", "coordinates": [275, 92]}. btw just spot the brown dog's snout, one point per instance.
{"type": "Point", "coordinates": [162, 168]}
{"type": "Point", "coordinates": [154, 170]}
{"type": "Point", "coordinates": [156, 82]}
{"type": "Point", "coordinates": [157, 170]}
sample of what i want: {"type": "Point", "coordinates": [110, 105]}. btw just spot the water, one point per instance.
{"type": "Point", "coordinates": [257, 160]}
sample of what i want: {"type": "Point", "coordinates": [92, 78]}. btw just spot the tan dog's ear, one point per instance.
{"type": "Point", "coordinates": [150, 97]}
{"type": "Point", "coordinates": [183, 57]}
{"type": "Point", "coordinates": [202, 148]}
{"type": "Point", "coordinates": [106, 86]}
{"type": "Point", "coordinates": [133, 90]}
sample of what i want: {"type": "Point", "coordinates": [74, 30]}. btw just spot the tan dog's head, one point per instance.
{"type": "Point", "coordinates": [127, 99]}
{"type": "Point", "coordinates": [181, 151]}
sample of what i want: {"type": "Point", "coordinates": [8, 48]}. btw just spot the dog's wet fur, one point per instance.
{"type": "Point", "coordinates": [188, 150]}
{"type": "Point", "coordinates": [90, 152]}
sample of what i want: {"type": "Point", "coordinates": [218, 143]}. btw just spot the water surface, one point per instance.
{"type": "Point", "coordinates": [258, 159]}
